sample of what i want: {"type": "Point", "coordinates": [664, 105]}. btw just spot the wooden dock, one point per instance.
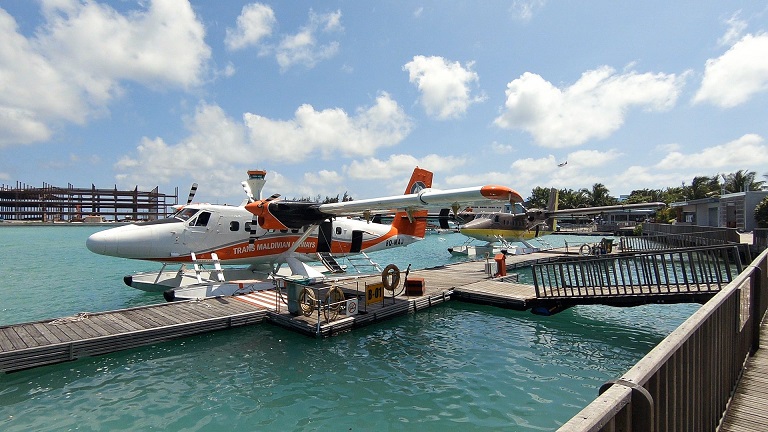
{"type": "Point", "coordinates": [28, 345]}
{"type": "Point", "coordinates": [748, 410]}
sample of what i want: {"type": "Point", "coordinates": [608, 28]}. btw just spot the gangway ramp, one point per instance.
{"type": "Point", "coordinates": [668, 276]}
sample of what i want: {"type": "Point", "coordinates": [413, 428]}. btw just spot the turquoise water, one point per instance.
{"type": "Point", "coordinates": [452, 366]}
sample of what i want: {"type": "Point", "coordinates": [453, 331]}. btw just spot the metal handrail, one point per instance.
{"type": "Point", "coordinates": [688, 378]}
{"type": "Point", "coordinates": [671, 271]}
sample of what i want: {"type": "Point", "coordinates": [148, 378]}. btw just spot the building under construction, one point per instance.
{"type": "Point", "coordinates": [71, 204]}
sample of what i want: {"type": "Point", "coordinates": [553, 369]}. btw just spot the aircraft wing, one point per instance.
{"type": "Point", "coordinates": [278, 214]}
{"type": "Point", "coordinates": [596, 210]}
{"type": "Point", "coordinates": [426, 198]}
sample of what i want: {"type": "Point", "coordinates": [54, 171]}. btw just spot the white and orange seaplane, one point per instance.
{"type": "Point", "coordinates": [262, 234]}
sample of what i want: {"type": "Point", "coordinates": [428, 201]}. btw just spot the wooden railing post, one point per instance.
{"type": "Point", "coordinates": [755, 302]}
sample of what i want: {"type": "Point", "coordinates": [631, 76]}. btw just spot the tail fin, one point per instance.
{"type": "Point", "coordinates": [416, 223]}
{"type": "Point", "coordinates": [552, 206]}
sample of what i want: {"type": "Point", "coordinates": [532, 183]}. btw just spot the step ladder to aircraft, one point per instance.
{"type": "Point", "coordinates": [363, 261]}
{"type": "Point", "coordinates": [330, 262]}
{"type": "Point", "coordinates": [198, 265]}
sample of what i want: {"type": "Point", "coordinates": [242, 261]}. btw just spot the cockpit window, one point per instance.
{"type": "Point", "coordinates": [202, 220]}
{"type": "Point", "coordinates": [185, 213]}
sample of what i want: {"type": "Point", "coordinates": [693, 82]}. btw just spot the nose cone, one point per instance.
{"type": "Point", "coordinates": [129, 241]}
{"type": "Point", "coordinates": [102, 243]}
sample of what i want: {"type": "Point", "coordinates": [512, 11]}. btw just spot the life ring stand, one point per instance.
{"type": "Point", "coordinates": [333, 299]}
{"type": "Point", "coordinates": [307, 301]}
{"type": "Point", "coordinates": [390, 277]}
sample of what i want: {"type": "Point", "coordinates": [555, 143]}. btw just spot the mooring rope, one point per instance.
{"type": "Point", "coordinates": [79, 317]}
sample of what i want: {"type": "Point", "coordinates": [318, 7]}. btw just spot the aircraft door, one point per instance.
{"type": "Point", "coordinates": [198, 229]}
{"type": "Point", "coordinates": [324, 236]}
{"type": "Point", "coordinates": [357, 241]}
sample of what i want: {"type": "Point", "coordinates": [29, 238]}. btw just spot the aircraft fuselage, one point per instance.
{"type": "Point", "coordinates": [226, 231]}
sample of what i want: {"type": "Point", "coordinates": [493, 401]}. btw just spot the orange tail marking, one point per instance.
{"type": "Point", "coordinates": [420, 179]}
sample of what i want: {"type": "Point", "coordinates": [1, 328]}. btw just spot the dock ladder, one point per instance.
{"type": "Point", "coordinates": [330, 262]}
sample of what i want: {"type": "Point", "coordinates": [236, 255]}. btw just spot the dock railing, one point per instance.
{"type": "Point", "coordinates": [724, 234]}
{"type": "Point", "coordinates": [671, 271]}
{"type": "Point", "coordinates": [685, 383]}
{"type": "Point", "coordinates": [666, 241]}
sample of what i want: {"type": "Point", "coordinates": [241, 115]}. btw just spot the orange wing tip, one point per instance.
{"type": "Point", "coordinates": [500, 193]}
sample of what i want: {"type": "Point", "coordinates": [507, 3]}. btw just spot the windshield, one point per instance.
{"type": "Point", "coordinates": [184, 214]}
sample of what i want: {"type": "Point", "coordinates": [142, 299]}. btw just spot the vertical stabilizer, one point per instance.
{"type": "Point", "coordinates": [415, 223]}
{"type": "Point", "coordinates": [552, 206]}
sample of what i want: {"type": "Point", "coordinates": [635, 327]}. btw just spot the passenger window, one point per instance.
{"type": "Point", "coordinates": [248, 226]}
{"type": "Point", "coordinates": [338, 230]}
{"type": "Point", "coordinates": [234, 226]}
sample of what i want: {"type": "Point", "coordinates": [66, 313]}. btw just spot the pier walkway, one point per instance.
{"type": "Point", "coordinates": [748, 410]}
{"type": "Point", "coordinates": [561, 281]}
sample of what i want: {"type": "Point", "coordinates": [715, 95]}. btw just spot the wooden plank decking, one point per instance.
{"type": "Point", "coordinates": [748, 410]}
{"type": "Point", "coordinates": [34, 344]}
{"type": "Point", "coordinates": [28, 345]}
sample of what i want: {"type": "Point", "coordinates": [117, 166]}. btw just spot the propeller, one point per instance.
{"type": "Point", "coordinates": [248, 191]}
{"type": "Point", "coordinates": [192, 192]}
{"type": "Point", "coordinates": [261, 206]}
{"type": "Point", "coordinates": [254, 224]}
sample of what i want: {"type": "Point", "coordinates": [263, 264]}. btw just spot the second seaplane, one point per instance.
{"type": "Point", "coordinates": [522, 225]}
{"type": "Point", "coordinates": [263, 234]}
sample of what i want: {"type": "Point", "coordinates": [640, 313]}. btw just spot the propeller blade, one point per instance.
{"type": "Point", "coordinates": [254, 224]}
{"type": "Point", "coordinates": [192, 192]}
{"type": "Point", "coordinates": [248, 191]}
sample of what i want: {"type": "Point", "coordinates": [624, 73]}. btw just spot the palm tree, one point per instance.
{"type": "Point", "coordinates": [645, 195]}
{"type": "Point", "coordinates": [740, 181]}
{"type": "Point", "coordinates": [599, 196]}
{"type": "Point", "coordinates": [570, 199]}
{"type": "Point", "coordinates": [702, 187]}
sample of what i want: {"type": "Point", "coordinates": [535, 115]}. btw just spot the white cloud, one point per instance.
{"type": "Point", "coordinates": [163, 45]}
{"type": "Point", "coordinates": [737, 75]}
{"type": "Point", "coordinates": [303, 47]}
{"type": "Point", "coordinates": [214, 144]}
{"type": "Point", "coordinates": [592, 108]}
{"type": "Point", "coordinates": [748, 149]}
{"type": "Point", "coordinates": [736, 27]}
{"type": "Point", "coordinates": [218, 146]}
{"type": "Point", "coordinates": [398, 166]}
{"type": "Point", "coordinates": [444, 86]}
{"type": "Point", "coordinates": [72, 67]}
{"type": "Point", "coordinates": [524, 9]}
{"type": "Point", "coordinates": [329, 132]}
{"type": "Point", "coordinates": [254, 23]}
{"type": "Point", "coordinates": [499, 148]}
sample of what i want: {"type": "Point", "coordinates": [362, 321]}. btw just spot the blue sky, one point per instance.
{"type": "Point", "coordinates": [339, 96]}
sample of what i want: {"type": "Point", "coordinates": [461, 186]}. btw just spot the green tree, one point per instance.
{"type": "Point", "coordinates": [645, 195]}
{"type": "Point", "coordinates": [761, 213]}
{"type": "Point", "coordinates": [569, 199]}
{"type": "Point", "coordinates": [702, 187]}
{"type": "Point", "coordinates": [539, 197]}
{"type": "Point", "coordinates": [599, 196]}
{"type": "Point", "coordinates": [740, 181]}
